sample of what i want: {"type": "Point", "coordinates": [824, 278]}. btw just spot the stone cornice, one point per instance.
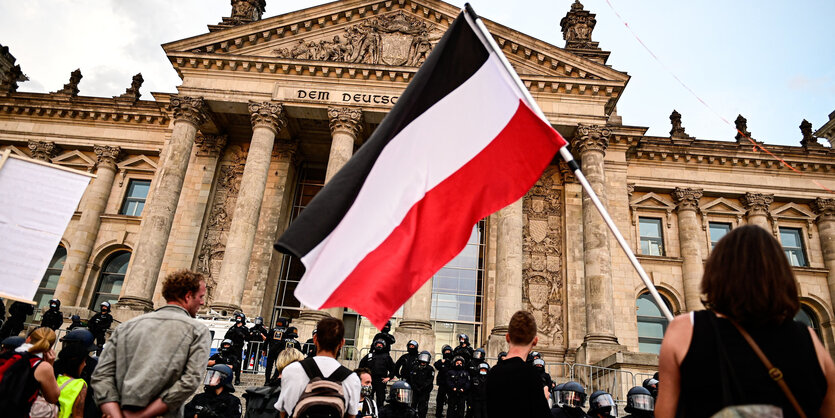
{"type": "Point", "coordinates": [824, 208]}
{"type": "Point", "coordinates": [189, 109]}
{"type": "Point", "coordinates": [345, 119]}
{"type": "Point", "coordinates": [107, 155]}
{"type": "Point", "coordinates": [268, 115]}
{"type": "Point", "coordinates": [687, 198]}
{"type": "Point", "coordinates": [83, 108]}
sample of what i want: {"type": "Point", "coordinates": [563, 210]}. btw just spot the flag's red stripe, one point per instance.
{"type": "Point", "coordinates": [437, 227]}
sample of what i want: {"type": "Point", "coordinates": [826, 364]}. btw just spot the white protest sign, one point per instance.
{"type": "Point", "coordinates": [37, 201]}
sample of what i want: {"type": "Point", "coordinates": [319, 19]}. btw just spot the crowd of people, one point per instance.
{"type": "Point", "coordinates": [744, 348]}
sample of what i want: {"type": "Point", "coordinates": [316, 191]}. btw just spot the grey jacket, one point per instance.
{"type": "Point", "coordinates": [162, 354]}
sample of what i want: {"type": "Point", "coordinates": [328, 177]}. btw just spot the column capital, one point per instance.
{"type": "Point", "coordinates": [209, 145]}
{"type": "Point", "coordinates": [757, 203]}
{"type": "Point", "coordinates": [285, 150]}
{"type": "Point", "coordinates": [591, 138]}
{"type": "Point", "coordinates": [190, 109]}
{"type": "Point", "coordinates": [824, 207]}
{"type": "Point", "coordinates": [687, 198]}
{"type": "Point", "coordinates": [43, 150]}
{"type": "Point", "coordinates": [268, 115]}
{"type": "Point", "coordinates": [346, 119]}
{"type": "Point", "coordinates": [107, 155]}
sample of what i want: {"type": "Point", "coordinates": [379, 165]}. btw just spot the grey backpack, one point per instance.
{"type": "Point", "coordinates": [323, 397]}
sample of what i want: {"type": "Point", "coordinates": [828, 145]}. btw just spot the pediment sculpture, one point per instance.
{"type": "Point", "coordinates": [395, 39]}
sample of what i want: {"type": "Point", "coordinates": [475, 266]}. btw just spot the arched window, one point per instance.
{"type": "Point", "coordinates": [652, 324]}
{"type": "Point", "coordinates": [111, 279]}
{"type": "Point", "coordinates": [808, 317]}
{"type": "Point", "coordinates": [50, 280]}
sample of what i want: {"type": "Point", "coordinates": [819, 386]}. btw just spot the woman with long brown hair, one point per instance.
{"type": "Point", "coordinates": [706, 364]}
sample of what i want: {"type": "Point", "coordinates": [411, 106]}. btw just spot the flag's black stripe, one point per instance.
{"type": "Point", "coordinates": [456, 57]}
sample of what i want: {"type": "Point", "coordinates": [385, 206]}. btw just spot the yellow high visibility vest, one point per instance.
{"type": "Point", "coordinates": [69, 393]}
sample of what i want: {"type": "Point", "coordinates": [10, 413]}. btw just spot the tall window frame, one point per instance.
{"type": "Point", "coordinates": [46, 289]}
{"type": "Point", "coordinates": [794, 246]}
{"type": "Point", "coordinates": [111, 278]}
{"type": "Point", "coordinates": [717, 230]}
{"type": "Point", "coordinates": [651, 323]}
{"type": "Point", "coordinates": [136, 194]}
{"type": "Point", "coordinates": [651, 236]}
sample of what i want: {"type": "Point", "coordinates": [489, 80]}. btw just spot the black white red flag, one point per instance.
{"type": "Point", "coordinates": [460, 144]}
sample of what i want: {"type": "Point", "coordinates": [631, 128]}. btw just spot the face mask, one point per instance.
{"type": "Point", "coordinates": [367, 391]}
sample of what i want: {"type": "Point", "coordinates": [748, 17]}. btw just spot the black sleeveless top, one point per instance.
{"type": "Point", "coordinates": [788, 346]}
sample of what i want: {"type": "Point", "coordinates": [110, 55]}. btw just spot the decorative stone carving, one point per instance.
{"type": "Point", "coordinates": [824, 208]}
{"type": "Point", "coordinates": [542, 257]}
{"type": "Point", "coordinates": [71, 89]}
{"type": "Point", "coordinates": [808, 140]}
{"type": "Point", "coordinates": [577, 26]}
{"type": "Point", "coordinates": [742, 130]}
{"type": "Point", "coordinates": [107, 155]}
{"type": "Point", "coordinates": [285, 150]}
{"type": "Point", "coordinates": [10, 73]}
{"type": "Point", "coordinates": [687, 198]}
{"type": "Point", "coordinates": [393, 39]}
{"type": "Point", "coordinates": [678, 130]}
{"type": "Point", "coordinates": [591, 138]}
{"type": "Point", "coordinates": [132, 93]}
{"type": "Point", "coordinates": [567, 174]}
{"type": "Point", "coordinates": [43, 150]}
{"type": "Point", "coordinates": [190, 109]}
{"type": "Point", "coordinates": [209, 145]}
{"type": "Point", "coordinates": [346, 119]}
{"type": "Point", "coordinates": [268, 114]}
{"type": "Point", "coordinates": [630, 189]}
{"type": "Point", "coordinates": [213, 248]}
{"type": "Point", "coordinates": [246, 11]}
{"type": "Point", "coordinates": [757, 203]}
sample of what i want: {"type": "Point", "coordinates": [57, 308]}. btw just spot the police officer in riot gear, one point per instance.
{"type": "Point", "coordinates": [477, 398]}
{"type": "Point", "coordinates": [75, 323]}
{"type": "Point", "coordinates": [533, 355]}
{"type": "Point", "coordinates": [385, 335]}
{"type": "Point", "coordinates": [572, 397]}
{"type": "Point", "coordinates": [501, 356]}
{"type": "Point", "coordinates": [290, 340]}
{"type": "Point", "coordinates": [238, 333]}
{"type": "Point", "coordinates": [539, 364]}
{"type": "Point", "coordinates": [464, 350]}
{"type": "Point", "coordinates": [400, 401]}
{"type": "Point", "coordinates": [475, 363]}
{"type": "Point", "coordinates": [602, 405]}
{"type": "Point", "coordinates": [224, 355]}
{"type": "Point", "coordinates": [458, 382]}
{"type": "Point", "coordinates": [651, 385]}
{"type": "Point", "coordinates": [217, 400]}
{"type": "Point", "coordinates": [53, 318]}
{"type": "Point", "coordinates": [421, 378]}
{"type": "Point", "coordinates": [382, 370]}
{"type": "Point", "coordinates": [274, 345]}
{"type": "Point", "coordinates": [309, 348]}
{"type": "Point", "coordinates": [640, 403]}
{"type": "Point", "coordinates": [100, 323]}
{"type": "Point", "coordinates": [403, 367]}
{"type": "Point", "coordinates": [442, 366]}
{"type": "Point", "coordinates": [257, 335]}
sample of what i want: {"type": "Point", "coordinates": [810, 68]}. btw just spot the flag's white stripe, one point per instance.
{"type": "Point", "coordinates": [426, 152]}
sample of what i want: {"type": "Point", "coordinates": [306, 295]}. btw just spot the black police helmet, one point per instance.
{"type": "Point", "coordinates": [639, 399]}
{"type": "Point", "coordinates": [226, 342]}
{"type": "Point", "coordinates": [292, 332]}
{"type": "Point", "coordinates": [226, 374]}
{"type": "Point", "coordinates": [400, 392]}
{"type": "Point", "coordinates": [387, 327]}
{"type": "Point", "coordinates": [446, 350]}
{"type": "Point", "coordinates": [536, 355]}
{"type": "Point", "coordinates": [105, 305]}
{"type": "Point", "coordinates": [651, 385]}
{"type": "Point", "coordinates": [456, 360]}
{"type": "Point", "coordinates": [463, 339]}
{"type": "Point", "coordinates": [573, 395]}
{"type": "Point", "coordinates": [55, 303]}
{"type": "Point", "coordinates": [478, 354]}
{"type": "Point", "coordinates": [502, 355]}
{"type": "Point", "coordinates": [539, 363]}
{"type": "Point", "coordinates": [82, 337]}
{"type": "Point", "coordinates": [379, 345]}
{"type": "Point", "coordinates": [412, 345]}
{"type": "Point", "coordinates": [75, 318]}
{"type": "Point", "coordinates": [259, 320]}
{"type": "Point", "coordinates": [281, 322]}
{"type": "Point", "coordinates": [602, 402]}
{"type": "Point", "coordinates": [424, 357]}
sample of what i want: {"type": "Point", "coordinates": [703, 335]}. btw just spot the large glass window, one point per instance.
{"type": "Point", "coordinates": [807, 317]}
{"type": "Point", "coordinates": [792, 241]}
{"type": "Point", "coordinates": [717, 231]}
{"type": "Point", "coordinates": [111, 279]}
{"type": "Point", "coordinates": [135, 197]}
{"type": "Point", "coordinates": [652, 324]}
{"type": "Point", "coordinates": [652, 240]}
{"type": "Point", "coordinates": [50, 280]}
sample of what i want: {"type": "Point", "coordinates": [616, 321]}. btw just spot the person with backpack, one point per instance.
{"type": "Point", "coordinates": [382, 369]}
{"type": "Point", "coordinates": [320, 385]}
{"type": "Point", "coordinates": [217, 400]}
{"type": "Point", "coordinates": [28, 373]}
{"type": "Point", "coordinates": [8, 346]}
{"type": "Point", "coordinates": [73, 389]}
{"type": "Point", "coordinates": [260, 400]}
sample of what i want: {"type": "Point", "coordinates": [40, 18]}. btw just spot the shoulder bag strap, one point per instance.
{"type": "Point", "coordinates": [773, 372]}
{"type": "Point", "coordinates": [311, 368]}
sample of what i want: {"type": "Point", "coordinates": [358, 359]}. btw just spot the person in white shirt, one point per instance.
{"type": "Point", "coordinates": [367, 408]}
{"type": "Point", "coordinates": [329, 339]}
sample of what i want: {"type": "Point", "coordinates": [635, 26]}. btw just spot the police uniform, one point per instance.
{"type": "Point", "coordinates": [404, 365]}
{"type": "Point", "coordinates": [238, 335]}
{"type": "Point", "coordinates": [442, 366]}
{"type": "Point", "coordinates": [53, 318]}
{"type": "Point", "coordinates": [458, 382]}
{"type": "Point", "coordinates": [397, 410]}
{"type": "Point", "coordinates": [98, 325]}
{"type": "Point", "coordinates": [274, 341]}
{"type": "Point", "coordinates": [211, 405]}
{"type": "Point", "coordinates": [381, 366]}
{"type": "Point", "coordinates": [477, 398]}
{"type": "Point", "coordinates": [421, 379]}
{"type": "Point", "coordinates": [257, 334]}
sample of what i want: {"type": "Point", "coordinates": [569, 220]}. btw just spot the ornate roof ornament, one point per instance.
{"type": "Point", "coordinates": [245, 11]}
{"type": "Point", "coordinates": [742, 128]}
{"type": "Point", "coordinates": [10, 73]}
{"type": "Point", "coordinates": [824, 207]}
{"type": "Point", "coordinates": [678, 130]}
{"type": "Point", "coordinates": [394, 39]}
{"type": "Point", "coordinates": [132, 93]}
{"type": "Point", "coordinates": [577, 27]}
{"type": "Point", "coordinates": [209, 145]}
{"type": "Point", "coordinates": [808, 140]}
{"type": "Point", "coordinates": [71, 89]}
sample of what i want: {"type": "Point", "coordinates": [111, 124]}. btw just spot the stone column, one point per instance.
{"type": "Point", "coordinates": [267, 120]}
{"type": "Point", "coordinates": [691, 242]}
{"type": "Point", "coordinates": [825, 209]}
{"type": "Point", "coordinates": [415, 324]}
{"type": "Point", "coordinates": [508, 273]}
{"type": "Point", "coordinates": [158, 215]}
{"type": "Point", "coordinates": [346, 126]}
{"type": "Point", "coordinates": [757, 205]}
{"type": "Point", "coordinates": [87, 229]}
{"type": "Point", "coordinates": [590, 144]}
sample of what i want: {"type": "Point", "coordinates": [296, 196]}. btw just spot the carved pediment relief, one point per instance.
{"type": "Point", "coordinates": [138, 163]}
{"type": "Point", "coordinates": [75, 159]}
{"type": "Point", "coordinates": [651, 202]}
{"type": "Point", "coordinates": [792, 212]}
{"type": "Point", "coordinates": [721, 207]}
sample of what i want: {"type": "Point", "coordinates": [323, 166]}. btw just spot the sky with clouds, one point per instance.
{"type": "Point", "coordinates": [769, 60]}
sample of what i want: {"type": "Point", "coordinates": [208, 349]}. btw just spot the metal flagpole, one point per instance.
{"type": "Point", "coordinates": [488, 40]}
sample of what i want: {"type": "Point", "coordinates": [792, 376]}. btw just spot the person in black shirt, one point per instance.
{"type": "Point", "coordinates": [100, 323]}
{"type": "Point", "coordinates": [309, 348]}
{"type": "Point", "coordinates": [421, 378]}
{"type": "Point", "coordinates": [53, 318]}
{"type": "Point", "coordinates": [17, 316]}
{"type": "Point", "coordinates": [403, 367]}
{"type": "Point", "coordinates": [75, 323]}
{"type": "Point", "coordinates": [514, 388]}
{"type": "Point", "coordinates": [385, 335]}
{"type": "Point", "coordinates": [464, 349]}
{"type": "Point", "coordinates": [238, 333]}
{"type": "Point", "coordinates": [382, 370]}
{"type": "Point", "coordinates": [257, 335]}
{"type": "Point", "coordinates": [458, 382]}
{"type": "Point", "coordinates": [224, 355]}
{"type": "Point", "coordinates": [217, 400]}
{"type": "Point", "coordinates": [442, 366]}
{"type": "Point", "coordinates": [477, 399]}
{"type": "Point", "coordinates": [274, 345]}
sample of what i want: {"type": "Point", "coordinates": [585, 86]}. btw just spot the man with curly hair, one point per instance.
{"type": "Point", "coordinates": [153, 363]}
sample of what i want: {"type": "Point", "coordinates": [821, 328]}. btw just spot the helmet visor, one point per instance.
{"type": "Point", "coordinates": [424, 357]}
{"type": "Point", "coordinates": [604, 404]}
{"type": "Point", "coordinates": [213, 378]}
{"type": "Point", "coordinates": [572, 399]}
{"type": "Point", "coordinates": [402, 395]}
{"type": "Point", "coordinates": [643, 402]}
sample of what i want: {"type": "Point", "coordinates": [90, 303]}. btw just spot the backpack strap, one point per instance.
{"type": "Point", "coordinates": [311, 368]}
{"type": "Point", "coordinates": [339, 374]}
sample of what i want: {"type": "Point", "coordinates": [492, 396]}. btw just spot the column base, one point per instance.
{"type": "Point", "coordinates": [225, 309]}
{"type": "Point", "coordinates": [596, 347]}
{"type": "Point", "coordinates": [496, 342]}
{"type": "Point", "coordinates": [418, 330]}
{"type": "Point", "coordinates": [130, 307]}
